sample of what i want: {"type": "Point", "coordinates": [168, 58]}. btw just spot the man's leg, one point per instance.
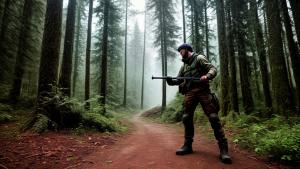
{"type": "Point", "coordinates": [190, 104]}
{"type": "Point", "coordinates": [211, 110]}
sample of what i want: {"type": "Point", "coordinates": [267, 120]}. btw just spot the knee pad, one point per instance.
{"type": "Point", "coordinates": [213, 117]}
{"type": "Point", "coordinates": [186, 118]}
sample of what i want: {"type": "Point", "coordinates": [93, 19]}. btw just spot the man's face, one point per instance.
{"type": "Point", "coordinates": [183, 53]}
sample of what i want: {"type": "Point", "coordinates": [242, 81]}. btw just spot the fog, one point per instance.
{"type": "Point", "coordinates": [152, 88]}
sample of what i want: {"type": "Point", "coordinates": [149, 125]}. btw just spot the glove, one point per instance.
{"type": "Point", "coordinates": [169, 80]}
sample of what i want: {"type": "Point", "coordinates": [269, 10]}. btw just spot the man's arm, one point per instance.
{"type": "Point", "coordinates": [208, 67]}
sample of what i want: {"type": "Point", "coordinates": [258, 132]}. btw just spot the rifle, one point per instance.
{"type": "Point", "coordinates": [177, 78]}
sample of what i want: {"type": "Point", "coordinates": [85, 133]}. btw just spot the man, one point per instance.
{"type": "Point", "coordinates": [196, 92]}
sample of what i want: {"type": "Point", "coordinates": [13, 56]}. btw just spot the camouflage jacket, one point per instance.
{"type": "Point", "coordinates": [196, 66]}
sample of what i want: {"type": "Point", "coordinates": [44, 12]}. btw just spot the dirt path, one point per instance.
{"type": "Point", "coordinates": [152, 146]}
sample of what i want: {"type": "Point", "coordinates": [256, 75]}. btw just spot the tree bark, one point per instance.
{"type": "Point", "coordinates": [223, 55]}
{"type": "Point", "coordinates": [295, 5]}
{"type": "Point", "coordinates": [206, 30]}
{"type": "Point", "coordinates": [104, 56]}
{"type": "Point", "coordinates": [232, 63]}
{"type": "Point", "coordinates": [50, 47]}
{"type": "Point", "coordinates": [15, 91]}
{"type": "Point", "coordinates": [292, 46]}
{"type": "Point", "coordinates": [66, 68]}
{"type": "Point", "coordinates": [261, 50]}
{"type": "Point", "coordinates": [238, 16]}
{"type": "Point", "coordinates": [88, 55]}
{"type": "Point", "coordinates": [76, 54]}
{"type": "Point", "coordinates": [283, 101]}
{"type": "Point", "coordinates": [144, 56]}
{"type": "Point", "coordinates": [125, 62]}
{"type": "Point", "coordinates": [183, 22]}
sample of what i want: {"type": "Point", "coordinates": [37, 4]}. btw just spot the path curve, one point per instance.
{"type": "Point", "coordinates": [152, 146]}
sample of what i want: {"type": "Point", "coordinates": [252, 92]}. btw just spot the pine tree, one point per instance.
{"type": "Point", "coordinates": [50, 47]}
{"type": "Point", "coordinates": [292, 47]}
{"type": "Point", "coordinates": [88, 53]}
{"type": "Point", "coordinates": [282, 99]}
{"type": "Point", "coordinates": [225, 100]}
{"type": "Point", "coordinates": [238, 13]}
{"type": "Point", "coordinates": [66, 68]}
{"type": "Point", "coordinates": [165, 34]}
{"type": "Point", "coordinates": [231, 54]}
{"type": "Point", "coordinates": [22, 55]}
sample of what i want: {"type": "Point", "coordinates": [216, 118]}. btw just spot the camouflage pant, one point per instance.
{"type": "Point", "coordinates": [205, 98]}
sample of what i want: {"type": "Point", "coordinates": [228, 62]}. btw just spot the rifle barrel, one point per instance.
{"type": "Point", "coordinates": [165, 77]}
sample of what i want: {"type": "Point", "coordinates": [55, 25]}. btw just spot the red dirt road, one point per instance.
{"type": "Point", "coordinates": [152, 146]}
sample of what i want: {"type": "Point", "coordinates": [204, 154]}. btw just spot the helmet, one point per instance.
{"type": "Point", "coordinates": [185, 46]}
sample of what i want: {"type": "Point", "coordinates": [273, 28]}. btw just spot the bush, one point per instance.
{"type": "Point", "coordinates": [100, 123]}
{"type": "Point", "coordinates": [275, 138]}
{"type": "Point", "coordinates": [5, 118]}
{"type": "Point", "coordinates": [173, 112]}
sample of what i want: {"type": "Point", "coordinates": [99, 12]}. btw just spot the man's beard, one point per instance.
{"type": "Point", "coordinates": [185, 58]}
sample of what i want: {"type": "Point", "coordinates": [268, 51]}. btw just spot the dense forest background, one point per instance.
{"type": "Point", "coordinates": [93, 57]}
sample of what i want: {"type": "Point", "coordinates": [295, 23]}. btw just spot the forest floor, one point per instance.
{"type": "Point", "coordinates": [147, 145]}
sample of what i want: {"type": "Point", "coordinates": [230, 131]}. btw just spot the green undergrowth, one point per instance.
{"type": "Point", "coordinates": [276, 137]}
{"type": "Point", "coordinates": [59, 113]}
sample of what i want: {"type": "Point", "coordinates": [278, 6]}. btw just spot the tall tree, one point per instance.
{"type": "Point", "coordinates": [261, 50]}
{"type": "Point", "coordinates": [88, 55]}
{"type": "Point", "coordinates": [125, 62]}
{"type": "Point", "coordinates": [144, 55]}
{"type": "Point", "coordinates": [9, 38]}
{"type": "Point", "coordinates": [183, 22]}
{"type": "Point", "coordinates": [295, 5]}
{"type": "Point", "coordinates": [22, 55]}
{"type": "Point", "coordinates": [231, 54]}
{"type": "Point", "coordinates": [282, 99]}
{"type": "Point", "coordinates": [238, 13]}
{"type": "Point", "coordinates": [104, 55]}
{"type": "Point", "coordinates": [50, 47]}
{"type": "Point", "coordinates": [205, 3]}
{"type": "Point", "coordinates": [223, 55]}
{"type": "Point", "coordinates": [66, 68]}
{"type": "Point", "coordinates": [292, 47]}
{"type": "Point", "coordinates": [78, 44]}
{"type": "Point", "coordinates": [165, 34]}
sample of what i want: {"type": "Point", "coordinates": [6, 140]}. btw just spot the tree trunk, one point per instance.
{"type": "Point", "coordinates": [261, 50]}
{"type": "Point", "coordinates": [66, 68]}
{"type": "Point", "coordinates": [163, 56]}
{"type": "Point", "coordinates": [225, 101]}
{"type": "Point", "coordinates": [292, 46]}
{"type": "Point", "coordinates": [243, 61]}
{"type": "Point", "coordinates": [22, 55]}
{"type": "Point", "coordinates": [206, 30]}
{"type": "Point", "coordinates": [125, 62]}
{"type": "Point", "coordinates": [295, 5]}
{"type": "Point", "coordinates": [104, 56]}
{"type": "Point", "coordinates": [232, 63]}
{"type": "Point", "coordinates": [283, 101]}
{"type": "Point", "coordinates": [144, 55]}
{"type": "Point", "coordinates": [76, 54]}
{"type": "Point", "coordinates": [88, 55]}
{"type": "Point", "coordinates": [2, 8]}
{"type": "Point", "coordinates": [183, 22]}
{"type": "Point", "coordinates": [50, 47]}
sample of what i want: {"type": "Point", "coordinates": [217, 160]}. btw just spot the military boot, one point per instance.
{"type": "Point", "coordinates": [224, 156]}
{"type": "Point", "coordinates": [186, 148]}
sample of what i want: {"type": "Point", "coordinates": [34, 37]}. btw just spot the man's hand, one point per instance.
{"type": "Point", "coordinates": [204, 78]}
{"type": "Point", "coordinates": [169, 80]}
